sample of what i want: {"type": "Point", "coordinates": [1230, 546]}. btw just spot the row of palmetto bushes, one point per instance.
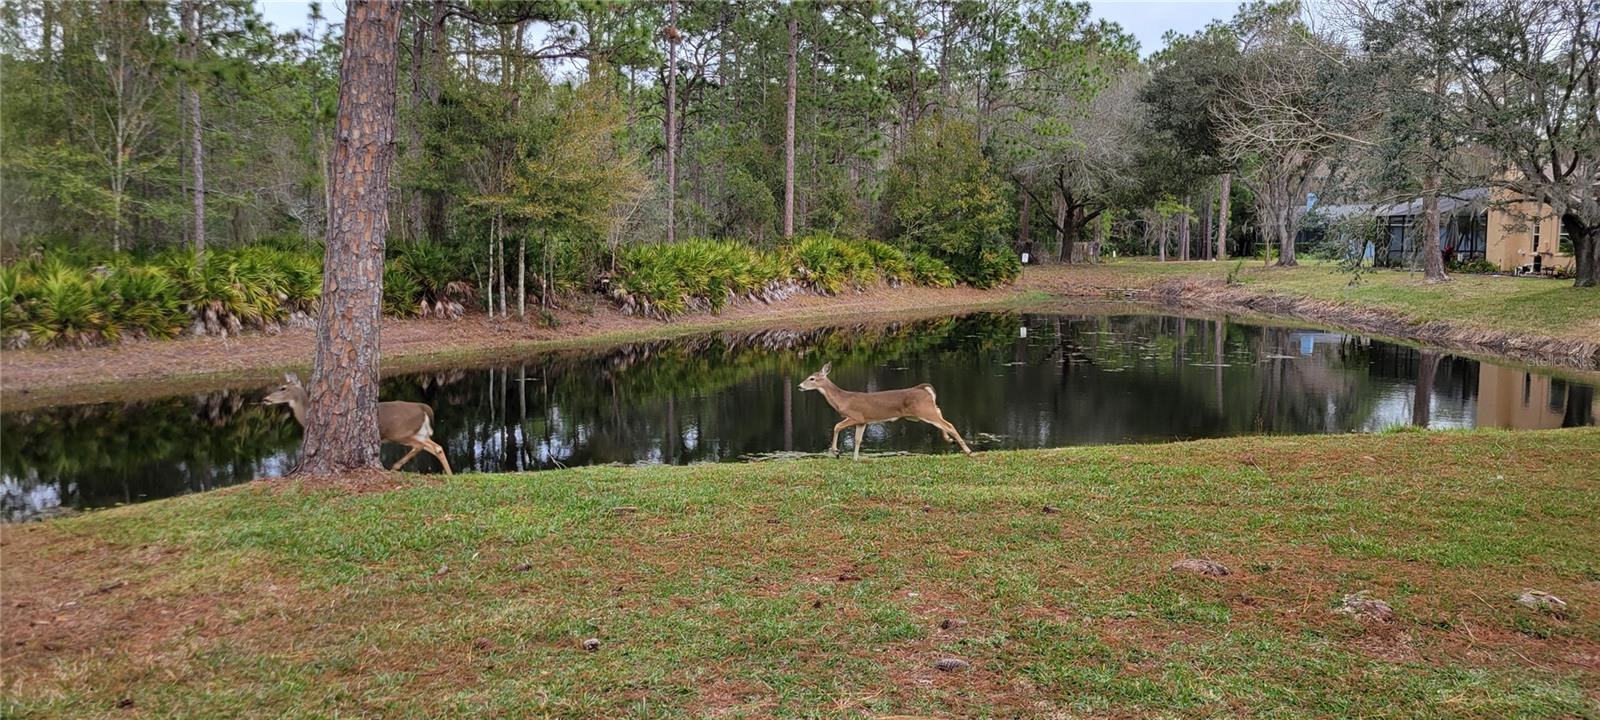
{"type": "Point", "coordinates": [662, 280]}
{"type": "Point", "coordinates": [58, 298]}
{"type": "Point", "coordinates": [62, 299]}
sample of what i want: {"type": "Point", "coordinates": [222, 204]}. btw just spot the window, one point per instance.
{"type": "Point", "coordinates": [1537, 224]}
{"type": "Point", "coordinates": [1565, 243]}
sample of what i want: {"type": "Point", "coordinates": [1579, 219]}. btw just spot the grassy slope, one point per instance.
{"type": "Point", "coordinates": [817, 588]}
{"type": "Point", "coordinates": [1530, 305]}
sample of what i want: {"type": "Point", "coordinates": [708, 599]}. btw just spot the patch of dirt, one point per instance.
{"type": "Point", "coordinates": [55, 614]}
{"type": "Point", "coordinates": [355, 482]}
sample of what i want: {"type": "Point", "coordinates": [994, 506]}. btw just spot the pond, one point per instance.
{"type": "Point", "coordinates": [1007, 380]}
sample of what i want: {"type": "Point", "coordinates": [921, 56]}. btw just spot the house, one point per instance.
{"type": "Point", "coordinates": [1482, 224]}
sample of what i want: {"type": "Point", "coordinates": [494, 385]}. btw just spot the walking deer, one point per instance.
{"type": "Point", "coordinates": [863, 408]}
{"type": "Point", "coordinates": [406, 423]}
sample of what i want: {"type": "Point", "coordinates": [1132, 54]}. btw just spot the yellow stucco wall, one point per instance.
{"type": "Point", "coordinates": [1510, 236]}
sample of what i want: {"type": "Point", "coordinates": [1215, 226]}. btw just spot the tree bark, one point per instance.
{"type": "Point", "coordinates": [1432, 255]}
{"type": "Point", "coordinates": [1183, 232]}
{"type": "Point", "coordinates": [1585, 250]}
{"type": "Point", "coordinates": [1025, 226]}
{"type": "Point", "coordinates": [788, 129]}
{"type": "Point", "coordinates": [522, 274]}
{"type": "Point", "coordinates": [197, 153]}
{"type": "Point", "coordinates": [672, 124]}
{"type": "Point", "coordinates": [1205, 228]}
{"type": "Point", "coordinates": [342, 432]}
{"type": "Point", "coordinates": [1223, 196]}
{"type": "Point", "coordinates": [1061, 227]}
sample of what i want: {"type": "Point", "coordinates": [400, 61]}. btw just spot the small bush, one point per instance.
{"type": "Point", "coordinates": [663, 280]}
{"type": "Point", "coordinates": [1475, 267]}
{"type": "Point", "coordinates": [829, 265]}
{"type": "Point", "coordinates": [930, 271]}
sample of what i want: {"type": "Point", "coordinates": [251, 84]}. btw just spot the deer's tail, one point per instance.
{"type": "Point", "coordinates": [931, 393]}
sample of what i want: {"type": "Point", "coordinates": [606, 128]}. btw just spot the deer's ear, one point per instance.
{"type": "Point", "coordinates": [825, 368]}
{"type": "Point", "coordinates": [291, 378]}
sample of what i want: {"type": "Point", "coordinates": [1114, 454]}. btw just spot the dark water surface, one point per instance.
{"type": "Point", "coordinates": [1005, 380]}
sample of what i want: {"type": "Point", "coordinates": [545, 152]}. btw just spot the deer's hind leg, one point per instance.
{"type": "Point", "coordinates": [437, 451]}
{"type": "Point", "coordinates": [937, 420]}
{"type": "Point", "coordinates": [414, 450]}
{"type": "Point", "coordinates": [860, 430]}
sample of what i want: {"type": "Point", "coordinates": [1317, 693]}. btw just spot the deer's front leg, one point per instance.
{"type": "Point", "coordinates": [836, 430]}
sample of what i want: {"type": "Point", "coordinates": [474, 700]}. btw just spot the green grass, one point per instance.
{"type": "Point", "coordinates": [818, 588]}
{"type": "Point", "coordinates": [1534, 306]}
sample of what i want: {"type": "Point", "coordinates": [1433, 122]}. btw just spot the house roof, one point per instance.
{"type": "Point", "coordinates": [1469, 198]}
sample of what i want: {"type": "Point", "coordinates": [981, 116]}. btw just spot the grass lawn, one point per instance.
{"type": "Point", "coordinates": [829, 588]}
{"type": "Point", "coordinates": [1529, 305]}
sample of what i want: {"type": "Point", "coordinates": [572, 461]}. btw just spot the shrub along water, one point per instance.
{"type": "Point", "coordinates": [63, 299]}
{"type": "Point", "coordinates": [665, 280]}
{"type": "Point", "coordinates": [67, 300]}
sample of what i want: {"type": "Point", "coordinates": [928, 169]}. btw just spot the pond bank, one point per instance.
{"type": "Point", "coordinates": [795, 586]}
{"type": "Point", "coordinates": [1213, 296]}
{"type": "Point", "coordinates": [1532, 321]}
{"type": "Point", "coordinates": [33, 377]}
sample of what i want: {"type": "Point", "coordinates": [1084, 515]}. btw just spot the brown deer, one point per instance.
{"type": "Point", "coordinates": [407, 423]}
{"type": "Point", "coordinates": [863, 408]}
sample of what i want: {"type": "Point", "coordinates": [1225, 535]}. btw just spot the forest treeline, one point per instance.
{"type": "Point", "coordinates": [549, 148]}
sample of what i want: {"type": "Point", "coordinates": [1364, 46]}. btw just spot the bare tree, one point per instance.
{"type": "Point", "coordinates": [1531, 85]}
{"type": "Point", "coordinates": [1284, 122]}
{"type": "Point", "coordinates": [343, 430]}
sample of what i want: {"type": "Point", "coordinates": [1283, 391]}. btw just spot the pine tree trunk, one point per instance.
{"type": "Point", "coordinates": [1183, 232]}
{"type": "Point", "coordinates": [1025, 226]}
{"type": "Point", "coordinates": [522, 275]}
{"type": "Point", "coordinates": [433, 216]}
{"type": "Point", "coordinates": [1206, 247]}
{"type": "Point", "coordinates": [1223, 196]}
{"type": "Point", "coordinates": [342, 432]}
{"type": "Point", "coordinates": [788, 130]}
{"type": "Point", "coordinates": [1061, 227]}
{"type": "Point", "coordinates": [1432, 254]}
{"type": "Point", "coordinates": [672, 124]}
{"type": "Point", "coordinates": [191, 27]}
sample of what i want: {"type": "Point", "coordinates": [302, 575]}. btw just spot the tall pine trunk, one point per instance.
{"type": "Point", "coordinates": [788, 129]}
{"type": "Point", "coordinates": [1223, 196]}
{"type": "Point", "coordinates": [197, 153]}
{"type": "Point", "coordinates": [433, 215]}
{"type": "Point", "coordinates": [342, 432]}
{"type": "Point", "coordinates": [672, 124]}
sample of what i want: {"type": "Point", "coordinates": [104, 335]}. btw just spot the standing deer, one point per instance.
{"type": "Point", "coordinates": [862, 408]}
{"type": "Point", "coordinates": [407, 423]}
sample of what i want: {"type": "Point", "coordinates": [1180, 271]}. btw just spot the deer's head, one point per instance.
{"type": "Point", "coordinates": [814, 382]}
{"type": "Point", "coordinates": [290, 392]}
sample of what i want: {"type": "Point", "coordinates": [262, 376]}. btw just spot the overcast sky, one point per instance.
{"type": "Point", "coordinates": [1148, 20]}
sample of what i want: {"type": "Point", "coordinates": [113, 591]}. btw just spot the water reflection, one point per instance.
{"type": "Point", "coordinates": [1006, 380]}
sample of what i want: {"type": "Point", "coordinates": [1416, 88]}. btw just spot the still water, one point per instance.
{"type": "Point", "coordinates": [1006, 380]}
